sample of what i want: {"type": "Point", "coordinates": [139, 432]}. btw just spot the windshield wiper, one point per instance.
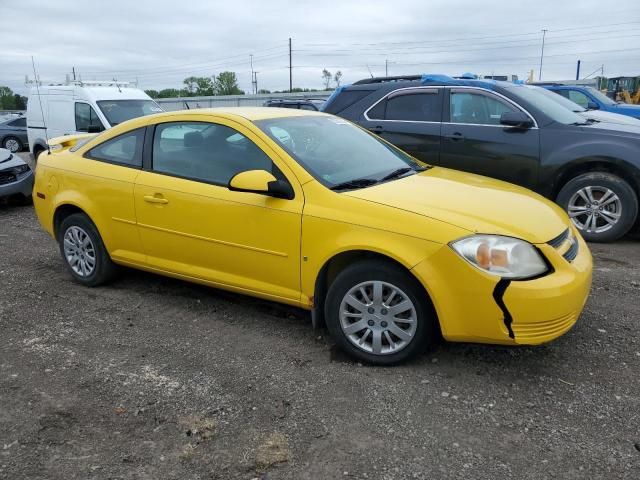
{"type": "Point", "coordinates": [355, 183]}
{"type": "Point", "coordinates": [396, 173]}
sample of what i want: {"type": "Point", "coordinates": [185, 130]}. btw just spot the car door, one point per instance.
{"type": "Point", "coordinates": [576, 96]}
{"type": "Point", "coordinates": [86, 119]}
{"type": "Point", "coordinates": [410, 119]}
{"type": "Point", "coordinates": [473, 140]}
{"type": "Point", "coordinates": [191, 224]}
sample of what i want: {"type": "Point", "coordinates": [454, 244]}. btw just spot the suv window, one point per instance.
{"type": "Point", "coordinates": [125, 149]}
{"type": "Point", "coordinates": [206, 152]}
{"type": "Point", "coordinates": [85, 117]}
{"type": "Point", "coordinates": [414, 106]}
{"type": "Point", "coordinates": [476, 107]}
{"type": "Point", "coordinates": [20, 122]}
{"type": "Point", "coordinates": [576, 97]}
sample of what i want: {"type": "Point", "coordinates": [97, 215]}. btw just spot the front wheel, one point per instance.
{"type": "Point", "coordinates": [601, 205]}
{"type": "Point", "coordinates": [378, 313]}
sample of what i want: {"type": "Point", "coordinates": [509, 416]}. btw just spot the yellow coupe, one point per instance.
{"type": "Point", "coordinates": [310, 210]}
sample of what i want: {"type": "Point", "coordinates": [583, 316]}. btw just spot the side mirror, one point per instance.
{"type": "Point", "coordinates": [593, 106]}
{"type": "Point", "coordinates": [516, 119]}
{"type": "Point", "coordinates": [95, 128]}
{"type": "Point", "coordinates": [262, 182]}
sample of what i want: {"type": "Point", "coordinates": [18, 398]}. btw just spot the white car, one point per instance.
{"type": "Point", "coordinates": [81, 107]}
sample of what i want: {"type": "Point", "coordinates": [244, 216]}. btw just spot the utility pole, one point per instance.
{"type": "Point", "coordinates": [253, 85]}
{"type": "Point", "coordinates": [386, 67]}
{"type": "Point", "coordinates": [578, 71]}
{"type": "Point", "coordinates": [255, 80]}
{"type": "Point", "coordinates": [290, 69]}
{"type": "Point", "coordinates": [544, 34]}
{"type": "Point", "coordinates": [73, 69]}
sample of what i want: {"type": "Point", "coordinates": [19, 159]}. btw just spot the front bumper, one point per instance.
{"type": "Point", "coordinates": [23, 184]}
{"type": "Point", "coordinates": [471, 309]}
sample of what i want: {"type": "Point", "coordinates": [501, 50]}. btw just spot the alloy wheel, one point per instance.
{"type": "Point", "coordinates": [595, 209]}
{"type": "Point", "coordinates": [378, 317]}
{"type": "Point", "coordinates": [79, 251]}
{"type": "Point", "coordinates": [12, 145]}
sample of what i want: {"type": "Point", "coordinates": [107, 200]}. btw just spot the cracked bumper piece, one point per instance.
{"type": "Point", "coordinates": [546, 308]}
{"type": "Point", "coordinates": [537, 311]}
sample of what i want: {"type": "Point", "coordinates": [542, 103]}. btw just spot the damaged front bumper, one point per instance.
{"type": "Point", "coordinates": [473, 306]}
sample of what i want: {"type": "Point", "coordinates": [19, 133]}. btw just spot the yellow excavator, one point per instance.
{"type": "Point", "coordinates": [624, 89]}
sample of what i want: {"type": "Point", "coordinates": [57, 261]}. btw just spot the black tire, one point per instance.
{"type": "Point", "coordinates": [7, 139]}
{"type": "Point", "coordinates": [104, 269]}
{"type": "Point", "coordinates": [377, 270]}
{"type": "Point", "coordinates": [599, 180]}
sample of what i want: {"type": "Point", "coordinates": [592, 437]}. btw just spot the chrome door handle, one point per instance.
{"type": "Point", "coordinates": [154, 199]}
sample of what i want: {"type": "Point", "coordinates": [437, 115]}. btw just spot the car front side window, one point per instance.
{"type": "Point", "coordinates": [476, 108]}
{"type": "Point", "coordinates": [206, 152]}
{"type": "Point", "coordinates": [579, 98]}
{"type": "Point", "coordinates": [86, 117]}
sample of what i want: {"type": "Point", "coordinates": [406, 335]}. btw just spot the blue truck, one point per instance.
{"type": "Point", "coordinates": [592, 99]}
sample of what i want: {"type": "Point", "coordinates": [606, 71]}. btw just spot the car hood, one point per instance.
{"type": "Point", "coordinates": [475, 203]}
{"type": "Point", "coordinates": [627, 129]}
{"type": "Point", "coordinates": [610, 118]}
{"type": "Point", "coordinates": [626, 109]}
{"type": "Point", "coordinates": [9, 160]}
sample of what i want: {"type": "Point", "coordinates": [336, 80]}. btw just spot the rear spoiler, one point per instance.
{"type": "Point", "coordinates": [58, 144]}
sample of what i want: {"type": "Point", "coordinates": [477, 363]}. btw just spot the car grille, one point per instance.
{"type": "Point", "coordinates": [536, 331]}
{"type": "Point", "coordinates": [561, 240]}
{"type": "Point", "coordinates": [6, 178]}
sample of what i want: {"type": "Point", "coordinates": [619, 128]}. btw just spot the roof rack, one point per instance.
{"type": "Point", "coordinates": [547, 83]}
{"type": "Point", "coordinates": [400, 78]}
{"type": "Point", "coordinates": [80, 83]}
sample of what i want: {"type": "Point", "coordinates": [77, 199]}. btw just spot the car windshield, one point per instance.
{"type": "Point", "coordinates": [337, 152]}
{"type": "Point", "coordinates": [542, 100]}
{"type": "Point", "coordinates": [601, 96]}
{"type": "Point", "coordinates": [118, 111]}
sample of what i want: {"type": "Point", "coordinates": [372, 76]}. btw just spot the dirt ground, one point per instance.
{"type": "Point", "coordinates": [154, 378]}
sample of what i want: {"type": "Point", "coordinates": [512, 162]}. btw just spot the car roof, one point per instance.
{"type": "Point", "coordinates": [247, 113]}
{"type": "Point", "coordinates": [424, 80]}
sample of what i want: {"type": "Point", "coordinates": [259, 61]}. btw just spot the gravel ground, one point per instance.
{"type": "Point", "coordinates": [153, 378]}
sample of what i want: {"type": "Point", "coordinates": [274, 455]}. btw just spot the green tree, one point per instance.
{"type": "Point", "coordinates": [204, 86]}
{"type": "Point", "coordinates": [7, 99]}
{"type": "Point", "coordinates": [152, 93]}
{"type": "Point", "coordinates": [191, 84]}
{"type": "Point", "coordinates": [262, 90]}
{"type": "Point", "coordinates": [226, 84]}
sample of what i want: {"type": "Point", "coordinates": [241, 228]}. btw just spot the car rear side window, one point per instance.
{"type": "Point", "coordinates": [345, 99]}
{"type": "Point", "coordinates": [85, 117]}
{"type": "Point", "coordinates": [206, 152]}
{"type": "Point", "coordinates": [477, 108]}
{"type": "Point", "coordinates": [412, 106]}
{"type": "Point", "coordinates": [20, 122]}
{"type": "Point", "coordinates": [125, 149]}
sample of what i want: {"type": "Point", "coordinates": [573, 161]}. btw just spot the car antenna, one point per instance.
{"type": "Point", "coordinates": [186, 105]}
{"type": "Point", "coordinates": [369, 71]}
{"type": "Point", "coordinates": [44, 122]}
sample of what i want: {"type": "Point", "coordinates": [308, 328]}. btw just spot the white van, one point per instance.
{"type": "Point", "coordinates": [81, 107]}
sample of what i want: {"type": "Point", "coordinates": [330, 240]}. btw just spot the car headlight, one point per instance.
{"type": "Point", "coordinates": [506, 257]}
{"type": "Point", "coordinates": [21, 169]}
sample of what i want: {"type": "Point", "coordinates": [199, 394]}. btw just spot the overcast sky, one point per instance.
{"type": "Point", "coordinates": [161, 42]}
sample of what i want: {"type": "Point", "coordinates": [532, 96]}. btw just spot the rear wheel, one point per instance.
{"type": "Point", "coordinates": [378, 313]}
{"type": "Point", "coordinates": [601, 205]}
{"type": "Point", "coordinates": [83, 252]}
{"type": "Point", "coordinates": [12, 144]}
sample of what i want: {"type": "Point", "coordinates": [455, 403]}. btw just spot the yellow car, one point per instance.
{"type": "Point", "coordinates": [310, 210]}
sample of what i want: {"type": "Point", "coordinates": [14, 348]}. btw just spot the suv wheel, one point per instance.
{"type": "Point", "coordinates": [12, 144]}
{"type": "Point", "coordinates": [601, 205]}
{"type": "Point", "coordinates": [83, 252]}
{"type": "Point", "coordinates": [378, 313]}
